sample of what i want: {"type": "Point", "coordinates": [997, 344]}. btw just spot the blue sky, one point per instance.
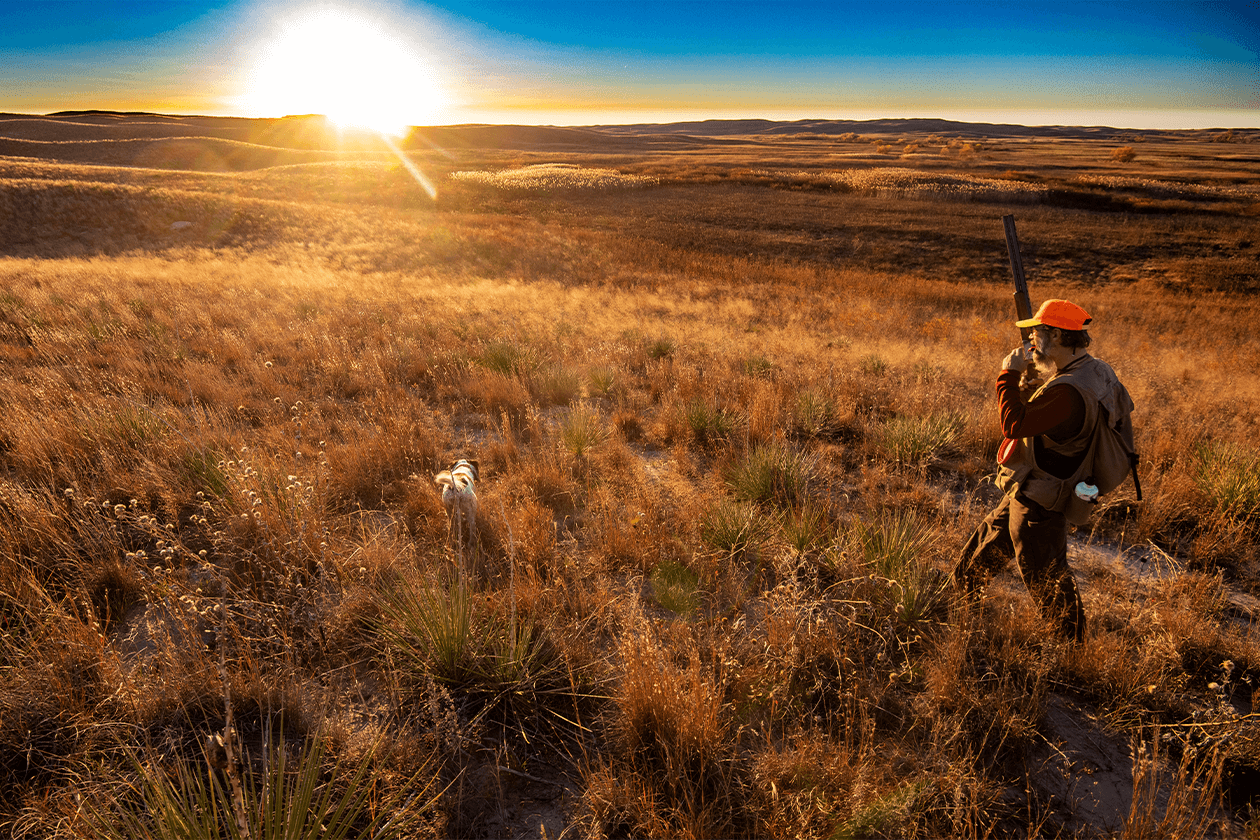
{"type": "Point", "coordinates": [1140, 63]}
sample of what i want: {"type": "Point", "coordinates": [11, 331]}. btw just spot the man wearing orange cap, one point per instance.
{"type": "Point", "coordinates": [1046, 456]}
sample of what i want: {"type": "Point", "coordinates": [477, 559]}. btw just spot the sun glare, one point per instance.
{"type": "Point", "coordinates": [348, 68]}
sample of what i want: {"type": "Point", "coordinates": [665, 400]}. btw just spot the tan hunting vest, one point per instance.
{"type": "Point", "coordinates": [1106, 399]}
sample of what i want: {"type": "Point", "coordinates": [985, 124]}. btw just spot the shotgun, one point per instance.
{"type": "Point", "coordinates": [1023, 305]}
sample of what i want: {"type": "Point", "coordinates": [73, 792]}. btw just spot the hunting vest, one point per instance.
{"type": "Point", "coordinates": [1106, 402]}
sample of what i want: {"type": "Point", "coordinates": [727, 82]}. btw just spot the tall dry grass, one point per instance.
{"type": "Point", "coordinates": [730, 436]}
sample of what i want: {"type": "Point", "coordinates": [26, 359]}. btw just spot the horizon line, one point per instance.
{"type": "Point", "coordinates": [645, 121]}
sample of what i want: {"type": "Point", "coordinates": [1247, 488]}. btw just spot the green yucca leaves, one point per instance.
{"type": "Point", "coordinates": [310, 799]}
{"type": "Point", "coordinates": [582, 429]}
{"type": "Point", "coordinates": [893, 547]}
{"type": "Point", "coordinates": [917, 440]}
{"type": "Point", "coordinates": [771, 473]}
{"type": "Point", "coordinates": [1230, 476]}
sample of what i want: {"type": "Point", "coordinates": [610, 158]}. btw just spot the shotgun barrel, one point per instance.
{"type": "Point", "coordinates": [1023, 304]}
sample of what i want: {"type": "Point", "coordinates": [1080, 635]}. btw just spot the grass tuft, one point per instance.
{"type": "Point", "coordinates": [894, 546]}
{"type": "Point", "coordinates": [734, 528]}
{"type": "Point", "coordinates": [773, 474]}
{"type": "Point", "coordinates": [310, 799]}
{"type": "Point", "coordinates": [918, 440]}
{"type": "Point", "coordinates": [1229, 475]}
{"type": "Point", "coordinates": [582, 429]}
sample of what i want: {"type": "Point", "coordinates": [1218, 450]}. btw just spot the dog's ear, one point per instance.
{"type": "Point", "coordinates": [476, 468]}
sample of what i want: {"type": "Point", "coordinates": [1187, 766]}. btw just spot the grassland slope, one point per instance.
{"type": "Point", "coordinates": [733, 409]}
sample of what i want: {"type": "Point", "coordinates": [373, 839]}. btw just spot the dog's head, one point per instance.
{"type": "Point", "coordinates": [468, 465]}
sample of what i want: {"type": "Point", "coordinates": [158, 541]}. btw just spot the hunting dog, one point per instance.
{"type": "Point", "coordinates": [459, 496]}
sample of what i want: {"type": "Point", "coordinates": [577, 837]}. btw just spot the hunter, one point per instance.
{"type": "Point", "coordinates": [1047, 462]}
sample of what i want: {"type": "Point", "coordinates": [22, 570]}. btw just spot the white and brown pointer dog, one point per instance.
{"type": "Point", "coordinates": [459, 495]}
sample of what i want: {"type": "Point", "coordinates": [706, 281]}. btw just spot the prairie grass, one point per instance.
{"type": "Point", "coordinates": [734, 424]}
{"type": "Point", "coordinates": [546, 177]}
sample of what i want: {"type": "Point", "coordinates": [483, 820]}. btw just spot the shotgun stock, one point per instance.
{"type": "Point", "coordinates": [1023, 304]}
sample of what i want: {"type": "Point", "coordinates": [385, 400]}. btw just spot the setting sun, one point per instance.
{"type": "Point", "coordinates": [347, 67]}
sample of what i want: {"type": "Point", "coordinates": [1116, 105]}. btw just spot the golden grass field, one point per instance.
{"type": "Point", "coordinates": [732, 400]}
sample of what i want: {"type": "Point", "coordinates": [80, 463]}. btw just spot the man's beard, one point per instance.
{"type": "Point", "coordinates": [1042, 363]}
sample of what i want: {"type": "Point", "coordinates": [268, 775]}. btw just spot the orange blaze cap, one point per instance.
{"type": "Point", "coordinates": [1058, 313]}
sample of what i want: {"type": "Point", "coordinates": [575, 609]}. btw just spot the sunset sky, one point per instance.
{"type": "Point", "coordinates": [1148, 64]}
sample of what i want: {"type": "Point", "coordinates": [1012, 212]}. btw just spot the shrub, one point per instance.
{"type": "Point", "coordinates": [917, 440]}
{"type": "Point", "coordinates": [893, 547]}
{"type": "Point", "coordinates": [709, 423]}
{"type": "Point", "coordinates": [1230, 477]}
{"type": "Point", "coordinates": [309, 800]}
{"type": "Point", "coordinates": [771, 473]}
{"type": "Point", "coordinates": [733, 528]}
{"type": "Point", "coordinates": [675, 587]}
{"type": "Point", "coordinates": [582, 429]}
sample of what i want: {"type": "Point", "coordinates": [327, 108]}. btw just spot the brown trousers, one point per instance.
{"type": "Point", "coordinates": [1037, 539]}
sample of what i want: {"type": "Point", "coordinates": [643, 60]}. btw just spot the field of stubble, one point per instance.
{"type": "Point", "coordinates": [732, 404]}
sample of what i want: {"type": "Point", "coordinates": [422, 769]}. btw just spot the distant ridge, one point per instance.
{"type": "Point", "coordinates": [236, 143]}
{"type": "Point", "coordinates": [726, 128]}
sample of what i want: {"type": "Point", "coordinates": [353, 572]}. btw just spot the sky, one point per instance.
{"type": "Point", "coordinates": [1121, 63]}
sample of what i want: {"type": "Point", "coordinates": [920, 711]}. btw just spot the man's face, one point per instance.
{"type": "Point", "coordinates": [1042, 338]}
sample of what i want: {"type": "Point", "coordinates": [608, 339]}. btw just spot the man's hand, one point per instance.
{"type": "Point", "coordinates": [1015, 360]}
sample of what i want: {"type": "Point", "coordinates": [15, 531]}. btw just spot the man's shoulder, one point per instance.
{"type": "Point", "coordinates": [1088, 369]}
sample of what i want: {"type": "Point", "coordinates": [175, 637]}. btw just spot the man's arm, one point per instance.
{"type": "Point", "coordinates": [1058, 411]}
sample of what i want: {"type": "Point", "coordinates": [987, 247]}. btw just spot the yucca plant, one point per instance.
{"type": "Point", "coordinates": [506, 665]}
{"type": "Point", "coordinates": [756, 366]}
{"type": "Point", "coordinates": [507, 358]}
{"type": "Point", "coordinates": [733, 528]}
{"type": "Point", "coordinates": [675, 587]}
{"type": "Point", "coordinates": [661, 348]}
{"type": "Point", "coordinates": [603, 381]}
{"type": "Point", "coordinates": [582, 429]}
{"type": "Point", "coordinates": [893, 547]}
{"type": "Point", "coordinates": [772, 473]}
{"type": "Point", "coordinates": [873, 365]}
{"type": "Point", "coordinates": [709, 423]}
{"type": "Point", "coordinates": [917, 440]}
{"type": "Point", "coordinates": [807, 529]}
{"type": "Point", "coordinates": [558, 385]}
{"type": "Point", "coordinates": [1229, 475]}
{"type": "Point", "coordinates": [814, 414]}
{"type": "Point", "coordinates": [434, 630]}
{"type": "Point", "coordinates": [884, 815]}
{"type": "Point", "coordinates": [175, 799]}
